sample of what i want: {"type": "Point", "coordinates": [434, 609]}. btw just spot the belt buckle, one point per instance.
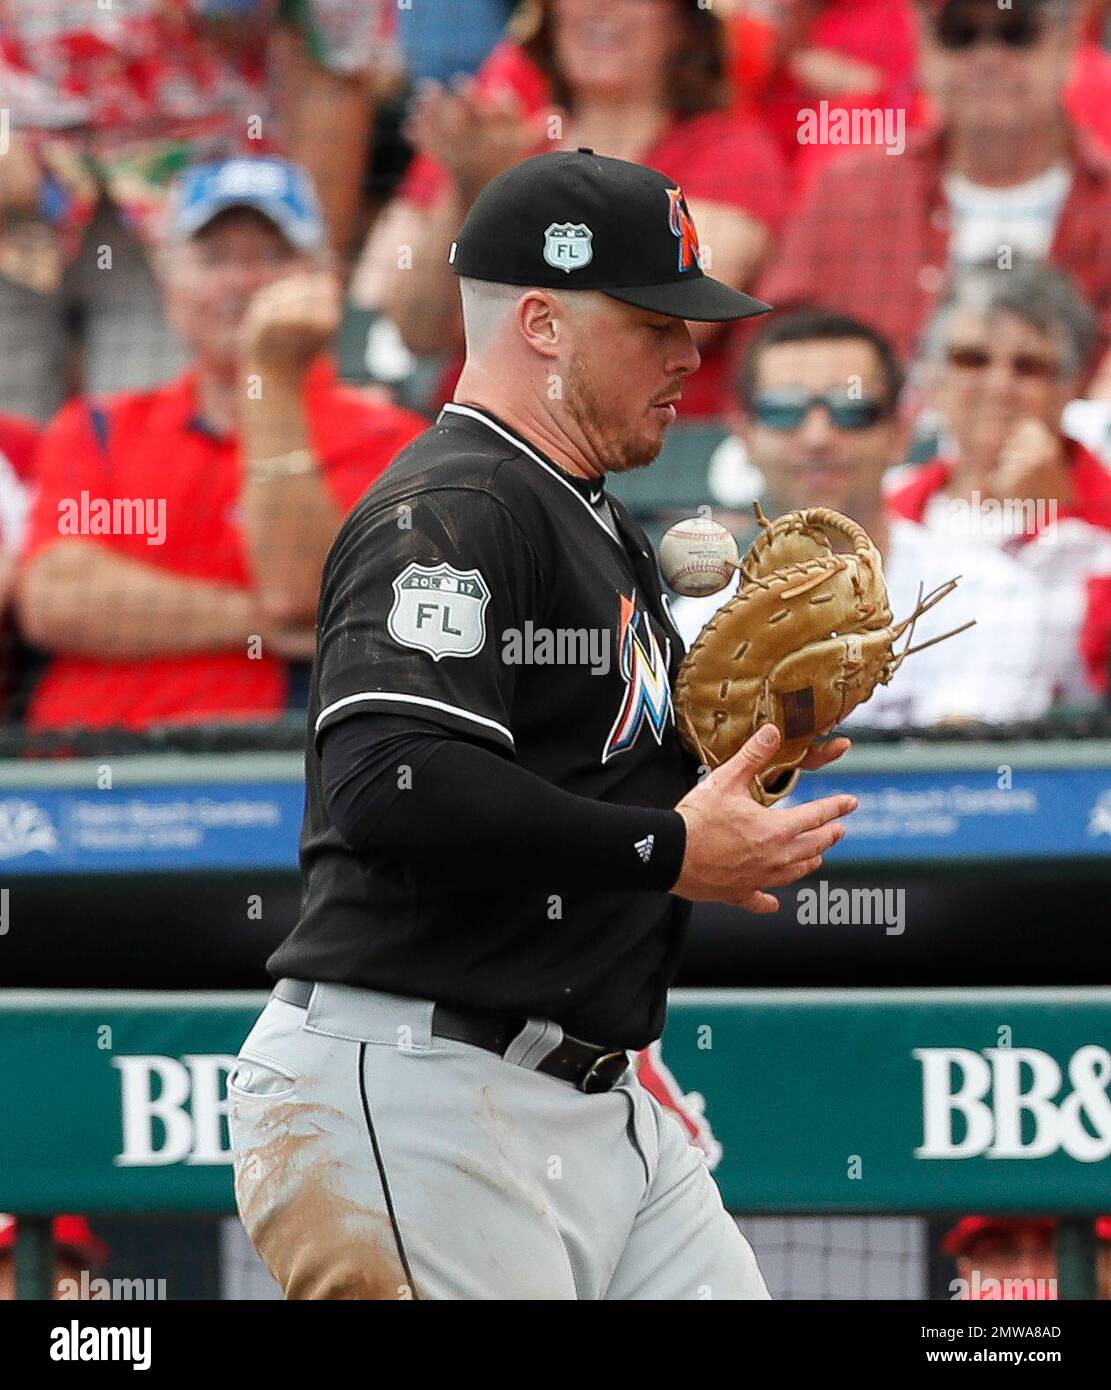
{"type": "Point", "coordinates": [593, 1073]}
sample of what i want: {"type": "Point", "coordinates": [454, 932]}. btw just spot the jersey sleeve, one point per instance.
{"type": "Point", "coordinates": [418, 603]}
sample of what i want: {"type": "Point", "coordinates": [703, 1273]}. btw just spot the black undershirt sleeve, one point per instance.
{"type": "Point", "coordinates": [411, 792]}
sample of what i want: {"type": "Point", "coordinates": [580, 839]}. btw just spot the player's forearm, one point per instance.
{"type": "Point", "coordinates": [423, 797]}
{"type": "Point", "coordinates": [422, 295]}
{"type": "Point", "coordinates": [80, 598]}
{"type": "Point", "coordinates": [289, 518]}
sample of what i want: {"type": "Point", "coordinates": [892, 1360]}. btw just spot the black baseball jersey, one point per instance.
{"type": "Point", "coordinates": [480, 588]}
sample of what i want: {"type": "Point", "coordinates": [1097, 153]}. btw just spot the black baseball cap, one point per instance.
{"type": "Point", "coordinates": [576, 220]}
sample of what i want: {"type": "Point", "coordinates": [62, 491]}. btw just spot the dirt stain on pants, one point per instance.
{"type": "Point", "coordinates": [317, 1243]}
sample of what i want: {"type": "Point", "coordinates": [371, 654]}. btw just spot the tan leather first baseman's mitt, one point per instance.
{"type": "Point", "coordinates": [807, 637]}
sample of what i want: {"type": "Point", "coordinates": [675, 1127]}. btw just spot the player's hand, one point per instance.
{"type": "Point", "coordinates": [290, 322]}
{"type": "Point", "coordinates": [822, 754]}
{"type": "Point", "coordinates": [474, 137]}
{"type": "Point", "coordinates": [736, 848]}
{"type": "Point", "coordinates": [1033, 464]}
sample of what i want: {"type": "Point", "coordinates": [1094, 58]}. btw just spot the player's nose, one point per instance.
{"type": "Point", "coordinates": [685, 357]}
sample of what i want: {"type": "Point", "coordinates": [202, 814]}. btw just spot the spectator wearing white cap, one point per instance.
{"type": "Point", "coordinates": [177, 538]}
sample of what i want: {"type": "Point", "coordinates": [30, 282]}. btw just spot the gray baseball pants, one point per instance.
{"type": "Point", "coordinates": [375, 1161]}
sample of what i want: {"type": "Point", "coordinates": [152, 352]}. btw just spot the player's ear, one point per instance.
{"type": "Point", "coordinates": [542, 322]}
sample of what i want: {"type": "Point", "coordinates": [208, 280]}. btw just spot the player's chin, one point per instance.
{"type": "Point", "coordinates": [643, 445]}
{"type": "Point", "coordinates": [638, 452]}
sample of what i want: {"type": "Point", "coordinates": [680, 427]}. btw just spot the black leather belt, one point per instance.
{"type": "Point", "coordinates": [592, 1069]}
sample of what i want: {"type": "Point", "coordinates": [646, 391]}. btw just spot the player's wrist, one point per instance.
{"type": "Point", "coordinates": [671, 850]}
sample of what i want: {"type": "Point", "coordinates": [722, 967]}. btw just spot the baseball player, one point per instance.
{"type": "Point", "coordinates": [503, 832]}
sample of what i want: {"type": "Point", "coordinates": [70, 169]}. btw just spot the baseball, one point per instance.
{"type": "Point", "coordinates": [697, 556]}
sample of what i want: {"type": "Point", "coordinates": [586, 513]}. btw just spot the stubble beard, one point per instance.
{"type": "Point", "coordinates": [617, 451]}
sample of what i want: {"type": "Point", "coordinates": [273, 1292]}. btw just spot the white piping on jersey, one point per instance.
{"type": "Point", "coordinates": [524, 448]}
{"type": "Point", "coordinates": [395, 697]}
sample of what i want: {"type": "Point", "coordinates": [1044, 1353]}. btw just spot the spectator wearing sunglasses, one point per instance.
{"type": "Point", "coordinates": [1005, 355]}
{"type": "Point", "coordinates": [998, 172]}
{"type": "Point", "coordinates": [818, 413]}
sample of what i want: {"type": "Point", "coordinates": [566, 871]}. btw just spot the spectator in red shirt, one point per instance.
{"type": "Point", "coordinates": [1001, 173]}
{"type": "Point", "coordinates": [107, 102]}
{"type": "Point", "coordinates": [178, 535]}
{"type": "Point", "coordinates": [1001, 1257]}
{"type": "Point", "coordinates": [1006, 354]}
{"type": "Point", "coordinates": [635, 79]}
{"type": "Point", "coordinates": [788, 56]}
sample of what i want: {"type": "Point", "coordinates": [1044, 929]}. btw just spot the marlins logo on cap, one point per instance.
{"type": "Point", "coordinates": [681, 222]}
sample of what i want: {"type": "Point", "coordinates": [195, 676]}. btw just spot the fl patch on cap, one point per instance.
{"type": "Point", "coordinates": [582, 221]}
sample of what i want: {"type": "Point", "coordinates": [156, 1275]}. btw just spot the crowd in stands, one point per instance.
{"type": "Point", "coordinates": [226, 303]}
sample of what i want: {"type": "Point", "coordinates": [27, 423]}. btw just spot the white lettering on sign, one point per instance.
{"type": "Point", "coordinates": [171, 1109]}
{"type": "Point", "coordinates": [1014, 1102]}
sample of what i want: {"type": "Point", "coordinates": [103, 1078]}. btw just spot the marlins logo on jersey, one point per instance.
{"type": "Point", "coordinates": [644, 671]}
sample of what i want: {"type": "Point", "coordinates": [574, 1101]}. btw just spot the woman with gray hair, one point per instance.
{"type": "Point", "coordinates": [1005, 354]}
